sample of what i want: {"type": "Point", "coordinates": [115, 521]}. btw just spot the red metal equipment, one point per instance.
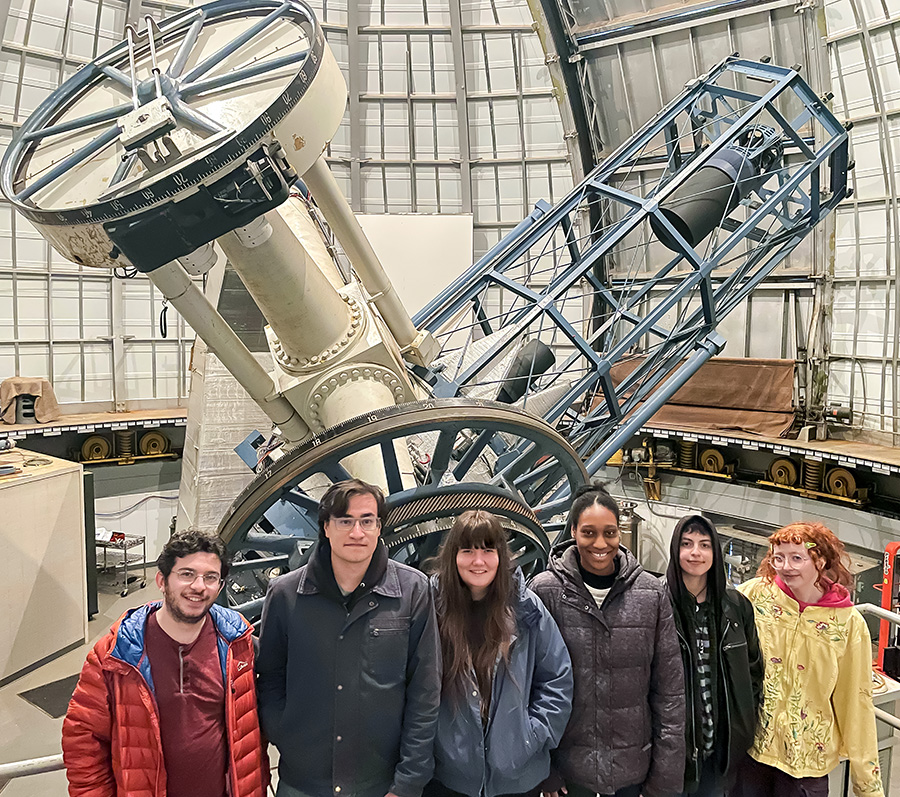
{"type": "Point", "coordinates": [888, 650]}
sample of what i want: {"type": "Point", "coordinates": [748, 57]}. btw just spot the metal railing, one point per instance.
{"type": "Point", "coordinates": [47, 763]}
{"type": "Point", "coordinates": [894, 618]}
{"type": "Point", "coordinates": [30, 766]}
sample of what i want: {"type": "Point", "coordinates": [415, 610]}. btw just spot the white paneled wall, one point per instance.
{"type": "Point", "coordinates": [409, 155]}
{"type": "Point", "coordinates": [863, 48]}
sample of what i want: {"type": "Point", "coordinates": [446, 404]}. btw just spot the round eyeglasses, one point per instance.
{"type": "Point", "coordinates": [189, 577]}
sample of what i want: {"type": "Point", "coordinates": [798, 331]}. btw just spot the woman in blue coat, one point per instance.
{"type": "Point", "coordinates": [507, 679]}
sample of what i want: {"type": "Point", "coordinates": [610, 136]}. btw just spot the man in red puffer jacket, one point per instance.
{"type": "Point", "coordinates": [166, 702]}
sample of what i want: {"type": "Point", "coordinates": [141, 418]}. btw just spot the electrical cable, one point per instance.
{"type": "Point", "coordinates": [163, 323]}
{"type": "Point", "coordinates": [26, 458]}
{"type": "Point", "coordinates": [130, 509]}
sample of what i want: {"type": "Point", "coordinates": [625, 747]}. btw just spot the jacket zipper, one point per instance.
{"type": "Point", "coordinates": [229, 720]}
{"type": "Point", "coordinates": [689, 695]}
{"type": "Point", "coordinates": [724, 687]}
{"type": "Point", "coordinates": [181, 669]}
{"type": "Point", "coordinates": [159, 763]}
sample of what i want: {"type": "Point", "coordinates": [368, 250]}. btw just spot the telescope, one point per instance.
{"type": "Point", "coordinates": [203, 137]}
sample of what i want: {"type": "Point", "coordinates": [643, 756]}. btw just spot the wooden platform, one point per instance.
{"type": "Point", "coordinates": [881, 459]}
{"type": "Point", "coordinates": [96, 421]}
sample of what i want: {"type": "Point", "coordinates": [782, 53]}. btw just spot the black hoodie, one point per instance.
{"type": "Point", "coordinates": [737, 665]}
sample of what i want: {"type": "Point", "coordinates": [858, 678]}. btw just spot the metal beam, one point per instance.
{"type": "Point", "coordinates": [353, 85]}
{"type": "Point", "coordinates": [4, 17]}
{"type": "Point", "coordinates": [133, 13]}
{"type": "Point", "coordinates": [462, 104]}
{"type": "Point", "coordinates": [587, 38]}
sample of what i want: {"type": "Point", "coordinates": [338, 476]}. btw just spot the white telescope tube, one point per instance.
{"type": "Point", "coordinates": [175, 284]}
{"type": "Point", "coordinates": [332, 203]}
{"type": "Point", "coordinates": [357, 398]}
{"type": "Point", "coordinates": [304, 310]}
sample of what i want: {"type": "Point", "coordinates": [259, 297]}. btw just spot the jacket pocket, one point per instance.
{"type": "Point", "coordinates": [387, 647]}
{"type": "Point", "coordinates": [512, 747]}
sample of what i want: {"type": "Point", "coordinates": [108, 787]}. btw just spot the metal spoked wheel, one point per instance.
{"type": "Point", "coordinates": [218, 107]}
{"type": "Point", "coordinates": [466, 454]}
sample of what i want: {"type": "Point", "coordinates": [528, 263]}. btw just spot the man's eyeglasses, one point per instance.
{"type": "Point", "coordinates": [189, 577]}
{"type": "Point", "coordinates": [347, 523]}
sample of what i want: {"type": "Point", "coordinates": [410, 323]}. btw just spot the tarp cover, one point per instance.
{"type": "Point", "coordinates": [46, 407]}
{"type": "Point", "coordinates": [746, 395]}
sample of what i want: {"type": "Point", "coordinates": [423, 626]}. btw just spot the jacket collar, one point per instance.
{"type": "Point", "coordinates": [564, 565]}
{"type": "Point", "coordinates": [132, 626]}
{"type": "Point", "coordinates": [317, 577]}
{"type": "Point", "coordinates": [836, 596]}
{"type": "Point", "coordinates": [129, 645]}
{"type": "Point", "coordinates": [130, 635]}
{"type": "Point", "coordinates": [527, 611]}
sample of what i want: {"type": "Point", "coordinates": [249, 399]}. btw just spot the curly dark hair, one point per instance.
{"type": "Point", "coordinates": [191, 541]}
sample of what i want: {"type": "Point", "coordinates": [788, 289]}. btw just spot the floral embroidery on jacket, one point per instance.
{"type": "Point", "coordinates": [835, 629]}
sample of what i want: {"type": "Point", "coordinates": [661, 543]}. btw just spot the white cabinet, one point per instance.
{"type": "Point", "coordinates": [43, 594]}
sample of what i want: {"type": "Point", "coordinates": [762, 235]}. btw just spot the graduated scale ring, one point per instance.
{"type": "Point", "coordinates": [172, 109]}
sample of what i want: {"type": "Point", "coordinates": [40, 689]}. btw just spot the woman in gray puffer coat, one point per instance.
{"type": "Point", "coordinates": [507, 680]}
{"type": "Point", "coordinates": [626, 733]}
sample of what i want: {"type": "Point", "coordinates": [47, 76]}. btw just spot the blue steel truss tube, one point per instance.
{"type": "Point", "coordinates": [780, 204]}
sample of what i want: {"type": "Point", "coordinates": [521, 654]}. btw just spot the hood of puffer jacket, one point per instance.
{"type": "Point", "coordinates": [131, 627]}
{"type": "Point", "coordinates": [682, 600]}
{"type": "Point", "coordinates": [129, 645]}
{"type": "Point", "coordinates": [564, 564]}
{"type": "Point", "coordinates": [524, 605]}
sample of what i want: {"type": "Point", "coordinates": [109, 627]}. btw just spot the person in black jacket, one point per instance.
{"type": "Point", "coordinates": [723, 665]}
{"type": "Point", "coordinates": [349, 663]}
{"type": "Point", "coordinates": [625, 737]}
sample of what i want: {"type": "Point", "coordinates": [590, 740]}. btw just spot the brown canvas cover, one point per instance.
{"type": "Point", "coordinates": [752, 396]}
{"type": "Point", "coordinates": [46, 407]}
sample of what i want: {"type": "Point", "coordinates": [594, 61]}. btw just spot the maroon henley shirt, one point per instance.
{"type": "Point", "coordinates": [191, 700]}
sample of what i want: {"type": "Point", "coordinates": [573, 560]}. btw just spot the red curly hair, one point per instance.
{"type": "Point", "coordinates": [824, 549]}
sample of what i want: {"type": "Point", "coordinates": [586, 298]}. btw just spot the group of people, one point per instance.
{"type": "Point", "coordinates": [372, 679]}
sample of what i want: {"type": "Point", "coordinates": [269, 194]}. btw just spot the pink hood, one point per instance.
{"type": "Point", "coordinates": [836, 596]}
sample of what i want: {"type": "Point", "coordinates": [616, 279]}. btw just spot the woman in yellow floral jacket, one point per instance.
{"type": "Point", "coordinates": [817, 692]}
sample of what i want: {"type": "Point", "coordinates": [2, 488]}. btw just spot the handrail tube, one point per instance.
{"type": "Point", "coordinates": [31, 766]}
{"type": "Point", "coordinates": [887, 718]}
{"type": "Point", "coordinates": [878, 611]}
